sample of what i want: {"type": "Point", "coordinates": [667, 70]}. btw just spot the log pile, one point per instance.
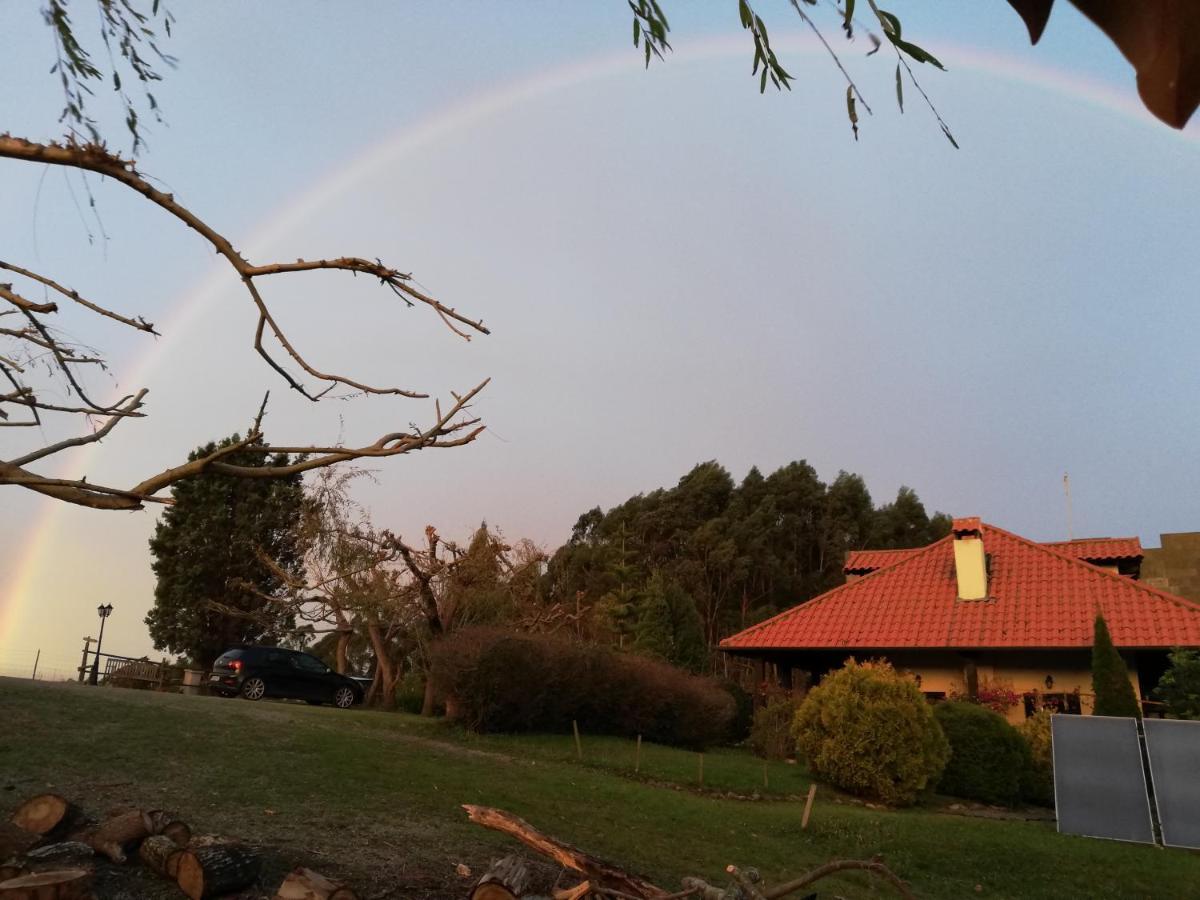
{"type": "Point", "coordinates": [49, 852]}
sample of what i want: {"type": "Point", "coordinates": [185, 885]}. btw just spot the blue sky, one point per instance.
{"type": "Point", "coordinates": [675, 269]}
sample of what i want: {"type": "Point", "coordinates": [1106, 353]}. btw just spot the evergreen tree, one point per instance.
{"type": "Point", "coordinates": [1179, 687]}
{"type": "Point", "coordinates": [655, 629]}
{"type": "Point", "coordinates": [689, 649]}
{"type": "Point", "coordinates": [213, 589]}
{"type": "Point", "coordinates": [1110, 678]}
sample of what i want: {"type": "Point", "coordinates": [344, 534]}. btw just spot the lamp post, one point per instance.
{"type": "Point", "coordinates": [105, 610]}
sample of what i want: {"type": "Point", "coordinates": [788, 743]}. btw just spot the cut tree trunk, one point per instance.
{"type": "Point", "coordinates": [305, 884]}
{"type": "Point", "coordinates": [15, 841]}
{"type": "Point", "coordinates": [219, 869]}
{"type": "Point", "coordinates": [121, 833]}
{"type": "Point", "coordinates": [45, 814]}
{"type": "Point", "coordinates": [601, 874]}
{"type": "Point", "coordinates": [507, 879]}
{"type": "Point", "coordinates": [65, 884]}
{"type": "Point", "coordinates": [156, 851]}
{"type": "Point", "coordinates": [178, 832]}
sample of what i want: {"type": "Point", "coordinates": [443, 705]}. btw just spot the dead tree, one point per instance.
{"type": "Point", "coordinates": [36, 357]}
{"type": "Point", "coordinates": [605, 880]}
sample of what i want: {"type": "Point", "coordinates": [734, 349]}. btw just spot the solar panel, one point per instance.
{"type": "Point", "coordinates": [1099, 783]}
{"type": "Point", "coordinates": [1173, 747]}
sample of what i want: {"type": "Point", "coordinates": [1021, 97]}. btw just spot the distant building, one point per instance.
{"type": "Point", "coordinates": [982, 600]}
{"type": "Point", "coordinates": [1175, 566]}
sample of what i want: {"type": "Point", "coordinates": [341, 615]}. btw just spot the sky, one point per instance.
{"type": "Point", "coordinates": [674, 269]}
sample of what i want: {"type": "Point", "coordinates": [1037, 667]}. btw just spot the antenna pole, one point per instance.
{"type": "Point", "coordinates": [1067, 495]}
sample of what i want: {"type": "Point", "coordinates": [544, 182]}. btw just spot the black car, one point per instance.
{"type": "Point", "coordinates": [257, 672]}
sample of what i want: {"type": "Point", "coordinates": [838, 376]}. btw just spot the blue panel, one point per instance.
{"type": "Point", "coordinates": [1099, 783]}
{"type": "Point", "coordinates": [1173, 747]}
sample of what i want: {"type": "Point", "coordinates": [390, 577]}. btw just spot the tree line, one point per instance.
{"type": "Point", "coordinates": [666, 574]}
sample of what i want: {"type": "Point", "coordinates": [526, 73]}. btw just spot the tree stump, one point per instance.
{"type": "Point", "coordinates": [305, 884]}
{"type": "Point", "coordinates": [14, 841]}
{"type": "Point", "coordinates": [65, 884]}
{"type": "Point", "coordinates": [45, 814]}
{"type": "Point", "coordinates": [507, 879]}
{"type": "Point", "coordinates": [219, 869]}
{"type": "Point", "coordinates": [156, 851]}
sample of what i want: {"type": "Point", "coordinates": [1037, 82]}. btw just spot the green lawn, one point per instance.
{"type": "Point", "coordinates": [375, 798]}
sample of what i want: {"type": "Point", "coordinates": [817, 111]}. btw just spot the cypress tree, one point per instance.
{"type": "Point", "coordinates": [654, 633]}
{"type": "Point", "coordinates": [1110, 678]}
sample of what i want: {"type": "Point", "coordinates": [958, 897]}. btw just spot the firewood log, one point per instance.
{"type": "Point", "coordinates": [45, 814]}
{"type": "Point", "coordinates": [305, 884]}
{"type": "Point", "coordinates": [15, 841]}
{"type": "Point", "coordinates": [507, 879]}
{"type": "Point", "coordinates": [178, 832]}
{"type": "Point", "coordinates": [64, 853]}
{"type": "Point", "coordinates": [216, 870]}
{"type": "Point", "coordinates": [64, 884]}
{"type": "Point", "coordinates": [12, 870]}
{"type": "Point", "coordinates": [156, 851]}
{"type": "Point", "coordinates": [124, 832]}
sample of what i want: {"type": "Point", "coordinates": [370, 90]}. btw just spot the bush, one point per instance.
{"type": "Point", "coordinates": [410, 692]}
{"type": "Point", "coordinates": [1179, 687]}
{"type": "Point", "coordinates": [1037, 786]}
{"type": "Point", "coordinates": [500, 681]}
{"type": "Point", "coordinates": [869, 731]}
{"type": "Point", "coordinates": [771, 734]}
{"type": "Point", "coordinates": [743, 715]}
{"type": "Point", "coordinates": [988, 757]}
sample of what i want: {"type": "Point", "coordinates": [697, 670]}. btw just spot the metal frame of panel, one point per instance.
{"type": "Point", "coordinates": [1149, 726]}
{"type": "Point", "coordinates": [1141, 773]}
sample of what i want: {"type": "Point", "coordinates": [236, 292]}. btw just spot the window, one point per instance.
{"type": "Point", "coordinates": [306, 663]}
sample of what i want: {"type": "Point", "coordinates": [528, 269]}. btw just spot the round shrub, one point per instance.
{"type": "Point", "coordinates": [1037, 786]}
{"type": "Point", "coordinates": [871, 732]}
{"type": "Point", "coordinates": [771, 734]}
{"type": "Point", "coordinates": [988, 757]}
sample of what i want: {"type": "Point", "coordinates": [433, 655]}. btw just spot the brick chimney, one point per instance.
{"type": "Point", "coordinates": [970, 562]}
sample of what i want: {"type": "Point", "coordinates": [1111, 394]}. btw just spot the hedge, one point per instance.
{"type": "Point", "coordinates": [494, 680]}
{"type": "Point", "coordinates": [989, 759]}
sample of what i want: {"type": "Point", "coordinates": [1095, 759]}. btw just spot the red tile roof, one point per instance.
{"type": "Point", "coordinates": [1096, 549]}
{"type": "Point", "coordinates": [862, 561]}
{"type": "Point", "coordinates": [1039, 597]}
{"type": "Point", "coordinates": [1093, 550]}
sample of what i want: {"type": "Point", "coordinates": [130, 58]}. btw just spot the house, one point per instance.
{"type": "Point", "coordinates": [1175, 566]}
{"type": "Point", "coordinates": [982, 600]}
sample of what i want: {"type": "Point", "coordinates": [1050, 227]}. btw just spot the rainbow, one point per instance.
{"type": "Point", "coordinates": [477, 108]}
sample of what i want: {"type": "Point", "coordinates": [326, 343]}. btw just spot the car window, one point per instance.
{"type": "Point", "coordinates": [228, 657]}
{"type": "Point", "coordinates": [276, 657]}
{"type": "Point", "coordinates": [306, 663]}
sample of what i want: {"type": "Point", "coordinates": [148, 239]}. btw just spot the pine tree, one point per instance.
{"type": "Point", "coordinates": [689, 650]}
{"type": "Point", "coordinates": [213, 589]}
{"type": "Point", "coordinates": [1110, 678]}
{"type": "Point", "coordinates": [654, 632]}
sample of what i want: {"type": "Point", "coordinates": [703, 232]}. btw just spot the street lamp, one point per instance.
{"type": "Point", "coordinates": [105, 610]}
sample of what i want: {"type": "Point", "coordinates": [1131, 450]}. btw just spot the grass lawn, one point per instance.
{"type": "Point", "coordinates": [375, 798]}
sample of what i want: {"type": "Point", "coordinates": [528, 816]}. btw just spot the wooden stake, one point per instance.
{"type": "Point", "coordinates": [637, 758]}
{"type": "Point", "coordinates": [578, 745]}
{"type": "Point", "coordinates": [766, 781]}
{"type": "Point", "coordinates": [812, 792]}
{"type": "Point", "coordinates": [701, 769]}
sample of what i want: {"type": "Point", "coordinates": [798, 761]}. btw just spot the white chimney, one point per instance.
{"type": "Point", "coordinates": [970, 562]}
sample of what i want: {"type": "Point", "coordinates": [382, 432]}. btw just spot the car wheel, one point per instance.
{"type": "Point", "coordinates": [254, 688]}
{"type": "Point", "coordinates": [343, 698]}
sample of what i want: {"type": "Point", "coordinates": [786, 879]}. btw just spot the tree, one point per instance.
{"type": "Point", "coordinates": [41, 365]}
{"type": "Point", "coordinates": [1179, 687]}
{"type": "Point", "coordinates": [219, 551]}
{"type": "Point", "coordinates": [903, 523]}
{"type": "Point", "coordinates": [1110, 678]}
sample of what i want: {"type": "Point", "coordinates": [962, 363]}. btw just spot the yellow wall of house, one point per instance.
{"type": "Point", "coordinates": [1022, 672]}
